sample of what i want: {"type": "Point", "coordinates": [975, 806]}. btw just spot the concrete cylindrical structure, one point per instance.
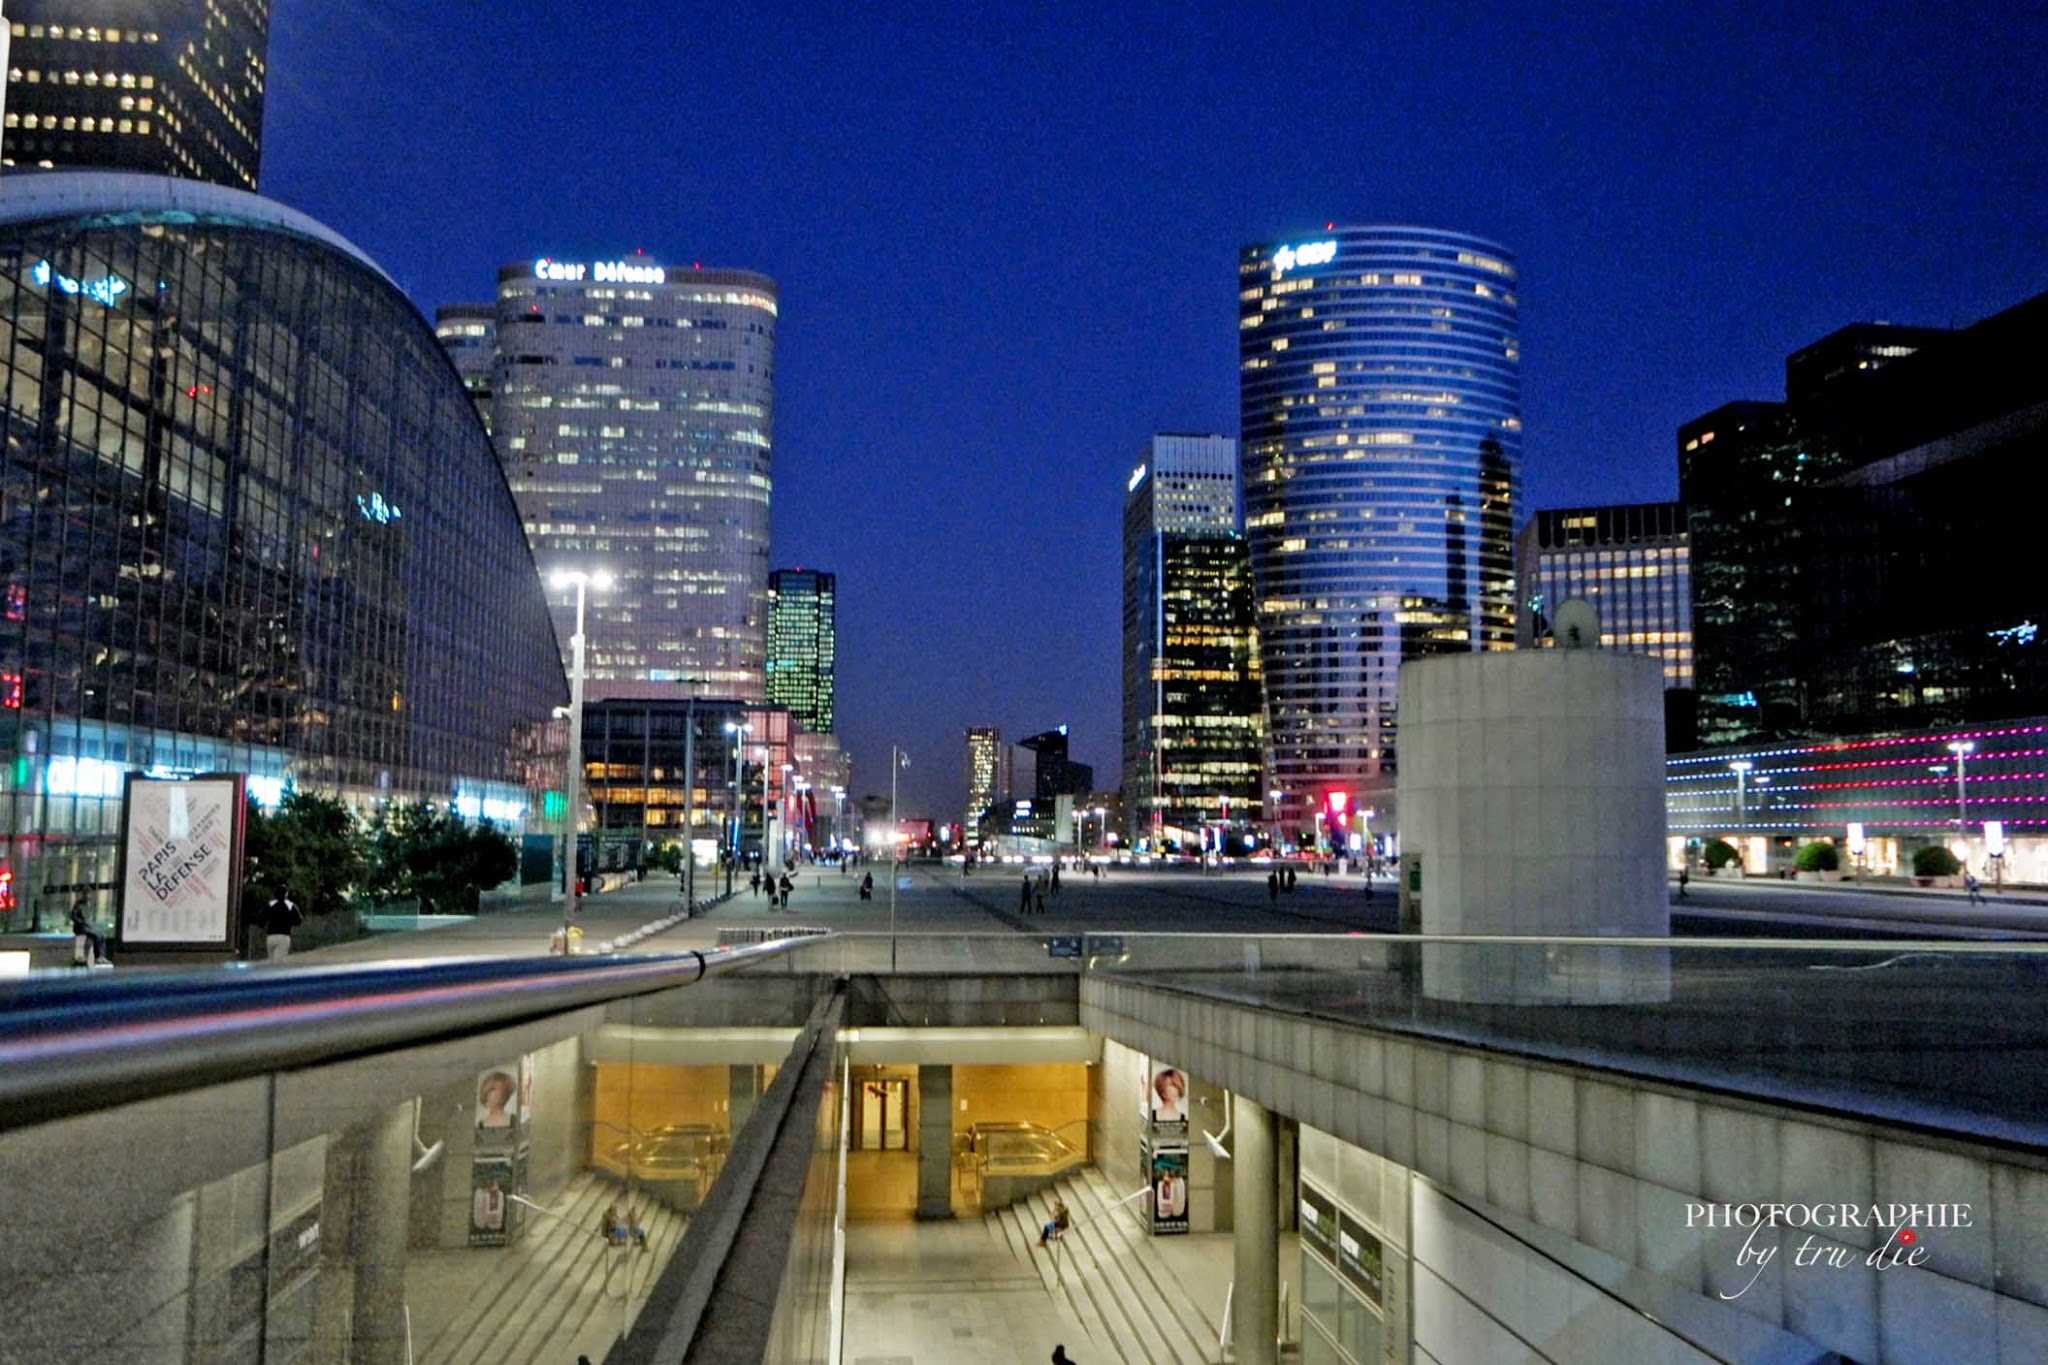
{"type": "Point", "coordinates": [1255, 1239]}
{"type": "Point", "coordinates": [1532, 793]}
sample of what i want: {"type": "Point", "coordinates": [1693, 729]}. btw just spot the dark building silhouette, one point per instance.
{"type": "Point", "coordinates": [1054, 774]}
{"type": "Point", "coordinates": [1862, 552]}
{"type": "Point", "coordinates": [165, 87]}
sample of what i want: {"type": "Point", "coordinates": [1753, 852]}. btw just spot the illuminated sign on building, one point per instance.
{"type": "Point", "coordinates": [1308, 253]}
{"type": "Point", "coordinates": [375, 508]}
{"type": "Point", "coordinates": [1137, 477]}
{"type": "Point", "coordinates": [105, 291]}
{"type": "Point", "coordinates": [600, 272]}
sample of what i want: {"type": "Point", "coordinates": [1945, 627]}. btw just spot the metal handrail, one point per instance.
{"type": "Point", "coordinates": [70, 1044]}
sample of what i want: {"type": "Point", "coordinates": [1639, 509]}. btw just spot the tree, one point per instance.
{"type": "Point", "coordinates": [1935, 861]}
{"type": "Point", "coordinates": [1818, 856]}
{"type": "Point", "coordinates": [1718, 855]}
{"type": "Point", "coordinates": [310, 845]}
{"type": "Point", "coordinates": [428, 852]}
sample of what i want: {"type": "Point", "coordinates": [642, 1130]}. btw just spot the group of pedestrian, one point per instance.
{"type": "Point", "coordinates": [1278, 880]}
{"type": "Point", "coordinates": [1035, 890]}
{"type": "Point", "coordinates": [778, 889]}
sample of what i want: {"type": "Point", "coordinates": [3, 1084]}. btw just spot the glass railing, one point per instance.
{"type": "Point", "coordinates": [437, 1161]}
{"type": "Point", "coordinates": [1944, 1036]}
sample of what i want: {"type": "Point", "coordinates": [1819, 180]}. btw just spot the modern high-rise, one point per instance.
{"type": "Point", "coordinates": [988, 772]}
{"type": "Point", "coordinates": [633, 407]}
{"type": "Point", "coordinates": [1633, 563]}
{"type": "Point", "coordinates": [802, 645]}
{"type": "Point", "coordinates": [1382, 429]}
{"type": "Point", "coordinates": [469, 334]}
{"type": "Point", "coordinates": [1192, 707]}
{"type": "Point", "coordinates": [1863, 560]}
{"type": "Point", "coordinates": [166, 87]}
{"type": "Point", "coordinates": [1054, 773]}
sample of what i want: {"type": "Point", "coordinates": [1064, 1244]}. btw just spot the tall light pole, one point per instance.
{"type": "Point", "coordinates": [738, 730]}
{"type": "Point", "coordinates": [1961, 748]}
{"type": "Point", "coordinates": [898, 761]}
{"type": "Point", "coordinates": [1740, 767]}
{"type": "Point", "coordinates": [572, 789]}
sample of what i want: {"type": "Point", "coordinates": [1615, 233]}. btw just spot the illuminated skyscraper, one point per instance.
{"type": "Point", "coordinates": [469, 334]}
{"type": "Point", "coordinates": [1381, 412]}
{"type": "Point", "coordinates": [802, 645]}
{"type": "Point", "coordinates": [166, 87]}
{"type": "Point", "coordinates": [988, 772]}
{"type": "Point", "coordinates": [634, 411]}
{"type": "Point", "coordinates": [1192, 723]}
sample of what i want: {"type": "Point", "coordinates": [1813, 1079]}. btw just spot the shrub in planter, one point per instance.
{"type": "Point", "coordinates": [1718, 855]}
{"type": "Point", "coordinates": [1935, 861]}
{"type": "Point", "coordinates": [1819, 856]}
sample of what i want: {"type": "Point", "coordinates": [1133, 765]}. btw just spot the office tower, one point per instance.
{"type": "Point", "coordinates": [634, 412]}
{"type": "Point", "coordinates": [802, 646]}
{"type": "Point", "coordinates": [988, 772]}
{"type": "Point", "coordinates": [1053, 773]}
{"type": "Point", "coordinates": [166, 87]}
{"type": "Point", "coordinates": [469, 334]}
{"type": "Point", "coordinates": [1192, 723]}
{"type": "Point", "coordinates": [1633, 563]}
{"type": "Point", "coordinates": [1861, 560]}
{"type": "Point", "coordinates": [1382, 431]}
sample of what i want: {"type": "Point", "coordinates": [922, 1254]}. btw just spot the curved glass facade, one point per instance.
{"type": "Point", "coordinates": [1381, 406]}
{"type": "Point", "coordinates": [249, 521]}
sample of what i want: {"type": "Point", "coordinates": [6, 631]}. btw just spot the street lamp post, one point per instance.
{"type": "Point", "coordinates": [738, 730]}
{"type": "Point", "coordinates": [1961, 748]}
{"type": "Point", "coordinates": [572, 790]}
{"type": "Point", "coordinates": [898, 760]}
{"type": "Point", "coordinates": [1740, 767]}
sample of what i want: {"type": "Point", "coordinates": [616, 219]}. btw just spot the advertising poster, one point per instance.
{"type": "Point", "coordinates": [1166, 1100]}
{"type": "Point", "coordinates": [500, 1116]}
{"type": "Point", "coordinates": [490, 1202]}
{"type": "Point", "coordinates": [1318, 1222]}
{"type": "Point", "coordinates": [1168, 1165]}
{"type": "Point", "coordinates": [1358, 1258]}
{"type": "Point", "coordinates": [181, 858]}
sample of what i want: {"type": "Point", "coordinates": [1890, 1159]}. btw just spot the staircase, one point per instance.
{"type": "Point", "coordinates": [1111, 1276]}
{"type": "Point", "coordinates": [562, 1290]}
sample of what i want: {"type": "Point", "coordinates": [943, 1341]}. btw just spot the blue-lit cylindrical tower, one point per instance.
{"type": "Point", "coordinates": [1382, 427]}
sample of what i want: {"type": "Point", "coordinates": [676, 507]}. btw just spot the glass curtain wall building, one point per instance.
{"type": "Point", "coordinates": [803, 645]}
{"type": "Point", "coordinates": [634, 411]}
{"type": "Point", "coordinates": [1381, 407]}
{"type": "Point", "coordinates": [988, 773]}
{"type": "Point", "coordinates": [164, 87]}
{"type": "Point", "coordinates": [1633, 563]}
{"type": "Point", "coordinates": [1192, 716]}
{"type": "Point", "coordinates": [249, 521]}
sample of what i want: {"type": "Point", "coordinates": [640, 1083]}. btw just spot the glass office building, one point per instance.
{"type": "Point", "coordinates": [249, 521]}
{"type": "Point", "coordinates": [162, 87]}
{"type": "Point", "coordinates": [1193, 724]}
{"type": "Point", "coordinates": [803, 636]}
{"type": "Point", "coordinates": [634, 410]}
{"type": "Point", "coordinates": [1381, 407]}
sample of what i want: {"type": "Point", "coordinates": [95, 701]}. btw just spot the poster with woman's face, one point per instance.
{"type": "Point", "coordinates": [497, 1104]}
{"type": "Point", "coordinates": [1166, 1095]}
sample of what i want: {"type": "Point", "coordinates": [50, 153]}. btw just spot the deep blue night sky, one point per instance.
{"type": "Point", "coordinates": [1006, 241]}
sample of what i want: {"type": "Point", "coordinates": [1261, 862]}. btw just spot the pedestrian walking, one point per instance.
{"type": "Point", "coordinates": [786, 886]}
{"type": "Point", "coordinates": [1273, 887]}
{"type": "Point", "coordinates": [1055, 877]}
{"type": "Point", "coordinates": [280, 917]}
{"type": "Point", "coordinates": [1024, 906]}
{"type": "Point", "coordinates": [1038, 898]}
{"type": "Point", "coordinates": [867, 886]}
{"type": "Point", "coordinates": [1684, 876]}
{"type": "Point", "coordinates": [754, 883]}
{"type": "Point", "coordinates": [1974, 887]}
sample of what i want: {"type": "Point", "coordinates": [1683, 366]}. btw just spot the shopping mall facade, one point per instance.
{"type": "Point", "coordinates": [250, 521]}
{"type": "Point", "coordinates": [1980, 790]}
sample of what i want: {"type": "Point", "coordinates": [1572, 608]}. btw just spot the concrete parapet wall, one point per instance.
{"type": "Point", "coordinates": [1612, 1163]}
